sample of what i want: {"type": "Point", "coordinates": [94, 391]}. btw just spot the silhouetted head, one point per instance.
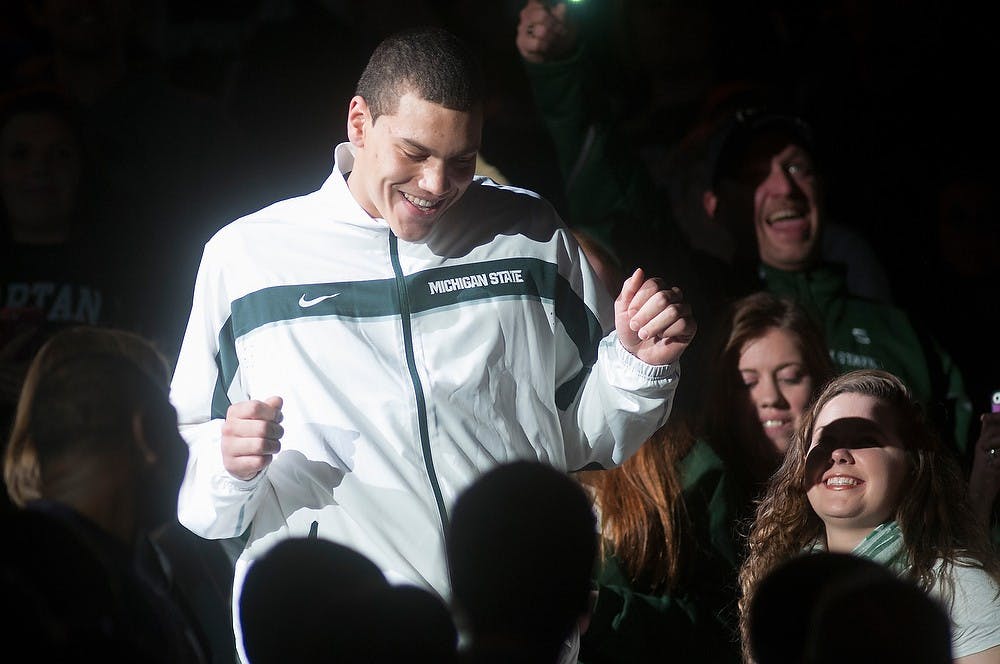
{"type": "Point", "coordinates": [522, 545]}
{"type": "Point", "coordinates": [309, 600]}
{"type": "Point", "coordinates": [816, 607]}
{"type": "Point", "coordinates": [95, 429]}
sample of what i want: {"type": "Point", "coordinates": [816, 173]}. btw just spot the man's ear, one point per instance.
{"type": "Point", "coordinates": [357, 116]}
{"type": "Point", "coordinates": [710, 202]}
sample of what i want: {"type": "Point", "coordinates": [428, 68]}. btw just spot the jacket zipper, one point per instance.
{"type": "Point", "coordinates": [411, 365]}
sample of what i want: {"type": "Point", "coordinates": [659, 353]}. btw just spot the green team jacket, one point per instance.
{"type": "Point", "coordinates": [610, 195]}
{"type": "Point", "coordinates": [697, 621]}
{"type": "Point", "coordinates": [862, 334]}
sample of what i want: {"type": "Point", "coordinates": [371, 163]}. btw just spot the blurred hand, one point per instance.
{"type": "Point", "coordinates": [653, 322]}
{"type": "Point", "coordinates": [251, 436]}
{"type": "Point", "coordinates": [545, 34]}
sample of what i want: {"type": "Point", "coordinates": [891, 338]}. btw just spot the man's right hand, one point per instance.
{"type": "Point", "coordinates": [251, 436]}
{"type": "Point", "coordinates": [545, 34]}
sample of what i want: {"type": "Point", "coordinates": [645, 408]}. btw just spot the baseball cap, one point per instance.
{"type": "Point", "coordinates": [728, 143]}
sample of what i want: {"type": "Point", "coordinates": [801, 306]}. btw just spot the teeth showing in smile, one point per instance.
{"type": "Point", "coordinates": [842, 481]}
{"type": "Point", "coordinates": [774, 423]}
{"type": "Point", "coordinates": [782, 215]}
{"type": "Point", "coordinates": [419, 202]}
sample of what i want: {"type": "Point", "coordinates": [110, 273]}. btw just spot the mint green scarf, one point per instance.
{"type": "Point", "coordinates": [884, 545]}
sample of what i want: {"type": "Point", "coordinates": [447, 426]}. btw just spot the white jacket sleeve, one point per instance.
{"type": "Point", "coordinates": [621, 401]}
{"type": "Point", "coordinates": [211, 503]}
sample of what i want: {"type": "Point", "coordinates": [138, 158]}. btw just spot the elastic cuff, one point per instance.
{"type": "Point", "coordinates": [226, 483]}
{"type": "Point", "coordinates": [648, 371]}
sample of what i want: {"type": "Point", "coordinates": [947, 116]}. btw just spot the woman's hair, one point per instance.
{"type": "Point", "coordinates": [748, 319]}
{"type": "Point", "coordinates": [643, 519]}
{"type": "Point", "coordinates": [114, 369]}
{"type": "Point", "coordinates": [936, 521]}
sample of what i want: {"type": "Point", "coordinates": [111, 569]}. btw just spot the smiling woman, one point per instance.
{"type": "Point", "coordinates": [770, 360]}
{"type": "Point", "coordinates": [865, 474]}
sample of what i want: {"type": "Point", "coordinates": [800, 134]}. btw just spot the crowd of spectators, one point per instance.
{"type": "Point", "coordinates": [130, 132]}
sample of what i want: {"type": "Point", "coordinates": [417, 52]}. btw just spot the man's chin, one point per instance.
{"type": "Point", "coordinates": [412, 231]}
{"type": "Point", "coordinates": [791, 260]}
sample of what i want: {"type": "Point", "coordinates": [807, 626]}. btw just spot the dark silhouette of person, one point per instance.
{"type": "Point", "coordinates": [309, 599]}
{"type": "Point", "coordinates": [94, 463]}
{"type": "Point", "coordinates": [815, 607]}
{"type": "Point", "coordinates": [522, 545]}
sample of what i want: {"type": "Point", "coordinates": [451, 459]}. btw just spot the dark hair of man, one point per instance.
{"type": "Point", "coordinates": [430, 62]}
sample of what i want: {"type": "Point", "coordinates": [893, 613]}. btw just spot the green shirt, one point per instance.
{"type": "Point", "coordinates": [863, 334]}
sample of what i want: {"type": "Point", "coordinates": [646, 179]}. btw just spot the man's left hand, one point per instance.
{"type": "Point", "coordinates": [653, 322]}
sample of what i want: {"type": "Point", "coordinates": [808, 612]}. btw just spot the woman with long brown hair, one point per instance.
{"type": "Point", "coordinates": [867, 475]}
{"type": "Point", "coordinates": [771, 359]}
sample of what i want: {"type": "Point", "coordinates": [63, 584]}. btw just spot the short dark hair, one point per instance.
{"type": "Point", "coordinates": [431, 62]}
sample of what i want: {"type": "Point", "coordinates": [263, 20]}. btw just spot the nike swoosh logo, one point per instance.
{"type": "Point", "coordinates": [304, 303]}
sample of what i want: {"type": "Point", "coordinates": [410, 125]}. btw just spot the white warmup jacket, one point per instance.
{"type": "Point", "coordinates": [406, 369]}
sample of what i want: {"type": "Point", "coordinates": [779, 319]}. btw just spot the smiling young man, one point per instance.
{"type": "Point", "coordinates": [402, 330]}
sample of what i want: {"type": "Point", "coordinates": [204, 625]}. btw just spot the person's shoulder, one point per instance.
{"type": "Point", "coordinates": [274, 218]}
{"type": "Point", "coordinates": [974, 609]}
{"type": "Point", "coordinates": [489, 194]}
{"type": "Point", "coordinates": [884, 310]}
{"type": "Point", "coordinates": [499, 211]}
{"type": "Point", "coordinates": [882, 316]}
{"type": "Point", "coordinates": [44, 547]}
{"type": "Point", "coordinates": [970, 577]}
{"type": "Point", "coordinates": [701, 459]}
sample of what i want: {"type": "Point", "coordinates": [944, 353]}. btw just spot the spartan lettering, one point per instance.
{"type": "Point", "coordinates": [17, 295]}
{"type": "Point", "coordinates": [89, 307]}
{"type": "Point", "coordinates": [61, 304]}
